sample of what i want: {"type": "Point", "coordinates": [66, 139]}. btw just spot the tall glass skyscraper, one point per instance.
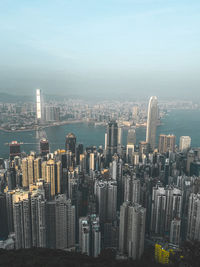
{"type": "Point", "coordinates": [152, 122]}
{"type": "Point", "coordinates": [38, 104]}
{"type": "Point", "coordinates": [111, 140]}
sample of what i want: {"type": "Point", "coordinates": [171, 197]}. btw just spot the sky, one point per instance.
{"type": "Point", "coordinates": [101, 47]}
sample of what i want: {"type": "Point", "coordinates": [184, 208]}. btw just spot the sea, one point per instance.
{"type": "Point", "coordinates": [177, 122]}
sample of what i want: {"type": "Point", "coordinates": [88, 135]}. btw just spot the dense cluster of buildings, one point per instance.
{"type": "Point", "coordinates": [108, 197]}
{"type": "Point", "coordinates": [27, 114]}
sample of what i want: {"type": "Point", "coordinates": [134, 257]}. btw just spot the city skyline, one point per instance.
{"type": "Point", "coordinates": [89, 199]}
{"type": "Point", "coordinates": [99, 132]}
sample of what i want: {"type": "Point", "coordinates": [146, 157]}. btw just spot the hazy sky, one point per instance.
{"type": "Point", "coordinates": [133, 47]}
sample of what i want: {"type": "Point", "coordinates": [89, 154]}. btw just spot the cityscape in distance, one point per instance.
{"type": "Point", "coordinates": [88, 199]}
{"type": "Point", "coordinates": [99, 133]}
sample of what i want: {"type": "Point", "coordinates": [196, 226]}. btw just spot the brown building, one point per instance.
{"type": "Point", "coordinates": [166, 143]}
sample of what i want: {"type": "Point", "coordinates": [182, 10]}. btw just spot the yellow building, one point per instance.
{"type": "Point", "coordinates": [161, 254]}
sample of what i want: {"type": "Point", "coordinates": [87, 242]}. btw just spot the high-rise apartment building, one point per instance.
{"type": "Point", "coordinates": [132, 230]}
{"type": "Point", "coordinates": [175, 231]}
{"type": "Point", "coordinates": [132, 190]}
{"type": "Point", "coordinates": [52, 172]}
{"type": "Point", "coordinates": [193, 219]}
{"type": "Point", "coordinates": [166, 205]}
{"type": "Point", "coordinates": [135, 114]}
{"type": "Point", "coordinates": [22, 219]}
{"type": "Point", "coordinates": [65, 222]}
{"type": "Point", "coordinates": [90, 235]}
{"type": "Point", "coordinates": [38, 219]}
{"type": "Point", "coordinates": [152, 118]}
{"type": "Point", "coordinates": [185, 143]}
{"type": "Point", "coordinates": [106, 195]}
{"type": "Point", "coordinates": [166, 143]}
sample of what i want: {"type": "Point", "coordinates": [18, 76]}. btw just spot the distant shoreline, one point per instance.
{"type": "Point", "coordinates": [37, 127]}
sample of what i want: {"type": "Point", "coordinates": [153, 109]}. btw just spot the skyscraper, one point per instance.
{"type": "Point", "coordinates": [152, 122]}
{"type": "Point", "coordinates": [106, 195]}
{"type": "Point", "coordinates": [22, 219]}
{"type": "Point", "coordinates": [112, 140]}
{"type": "Point", "coordinates": [193, 232]}
{"type": "Point", "coordinates": [38, 104]}
{"type": "Point", "coordinates": [90, 235]}
{"type": "Point", "coordinates": [135, 114]}
{"type": "Point", "coordinates": [166, 143]}
{"type": "Point", "coordinates": [132, 230]}
{"type": "Point", "coordinates": [65, 222]}
{"type": "Point", "coordinates": [38, 219]}
{"type": "Point", "coordinates": [131, 138]}
{"type": "Point", "coordinates": [185, 143]}
{"type": "Point", "coordinates": [175, 230]}
{"type": "Point", "coordinates": [166, 205]}
{"type": "Point", "coordinates": [44, 146]}
{"type": "Point", "coordinates": [70, 143]}
{"type": "Point", "coordinates": [132, 190]}
{"type": "Point", "coordinates": [3, 216]}
{"type": "Point", "coordinates": [14, 149]}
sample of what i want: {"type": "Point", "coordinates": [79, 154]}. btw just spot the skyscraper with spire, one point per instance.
{"type": "Point", "coordinates": [152, 122]}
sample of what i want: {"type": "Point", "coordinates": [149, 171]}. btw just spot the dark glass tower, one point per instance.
{"type": "Point", "coordinates": [70, 143]}
{"type": "Point", "coordinates": [112, 138]}
{"type": "Point", "coordinates": [44, 146]}
{"type": "Point", "coordinates": [14, 149]}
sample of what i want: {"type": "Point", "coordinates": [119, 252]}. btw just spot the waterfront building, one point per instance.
{"type": "Point", "coordinates": [14, 149]}
{"type": "Point", "coordinates": [112, 140]}
{"type": "Point", "coordinates": [185, 143]}
{"type": "Point", "coordinates": [44, 147]}
{"type": "Point", "coordinates": [131, 137]}
{"type": "Point", "coordinates": [152, 118]}
{"type": "Point", "coordinates": [38, 105]}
